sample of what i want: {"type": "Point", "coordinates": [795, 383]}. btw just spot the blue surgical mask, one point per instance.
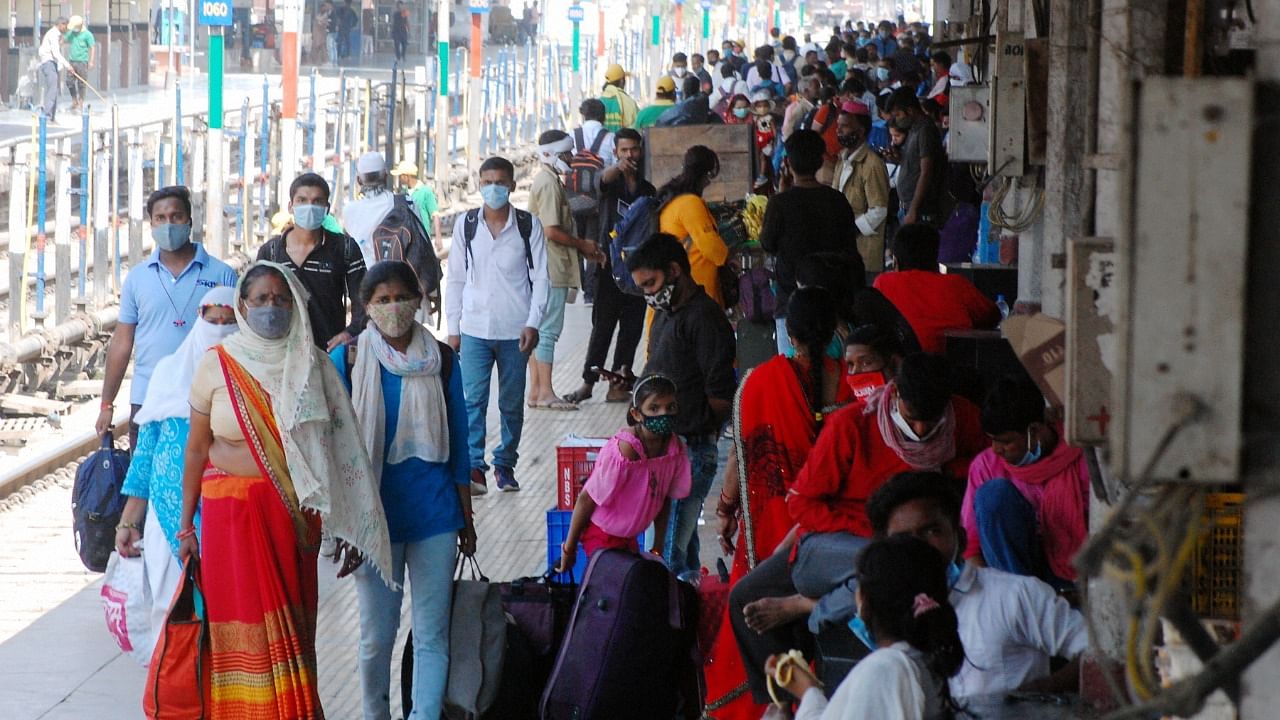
{"type": "Point", "coordinates": [741, 112]}
{"type": "Point", "coordinates": [1031, 456]}
{"type": "Point", "coordinates": [882, 74]}
{"type": "Point", "coordinates": [309, 217]}
{"type": "Point", "coordinates": [170, 237]}
{"type": "Point", "coordinates": [862, 632]}
{"type": "Point", "coordinates": [495, 196]}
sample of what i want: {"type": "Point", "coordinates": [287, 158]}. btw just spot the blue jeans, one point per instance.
{"type": "Point", "coordinates": [552, 325]}
{"type": "Point", "coordinates": [430, 564]}
{"type": "Point", "coordinates": [477, 359]}
{"type": "Point", "coordinates": [824, 565]}
{"type": "Point", "coordinates": [1010, 532]}
{"type": "Point", "coordinates": [681, 546]}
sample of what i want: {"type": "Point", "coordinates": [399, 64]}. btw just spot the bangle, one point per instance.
{"type": "Point", "coordinates": [128, 526]}
{"type": "Point", "coordinates": [106, 405]}
{"type": "Point", "coordinates": [184, 534]}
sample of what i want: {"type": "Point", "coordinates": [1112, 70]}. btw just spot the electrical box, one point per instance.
{"type": "Point", "coordinates": [1008, 153]}
{"type": "Point", "coordinates": [970, 110]}
{"type": "Point", "coordinates": [1182, 274]}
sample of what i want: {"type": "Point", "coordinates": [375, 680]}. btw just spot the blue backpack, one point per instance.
{"type": "Point", "coordinates": [634, 229]}
{"type": "Point", "coordinates": [96, 503]}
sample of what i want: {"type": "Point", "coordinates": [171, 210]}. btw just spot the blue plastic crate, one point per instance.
{"type": "Point", "coordinates": [557, 530]}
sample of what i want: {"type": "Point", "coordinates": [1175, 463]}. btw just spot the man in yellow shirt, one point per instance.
{"type": "Point", "coordinates": [620, 109]}
{"type": "Point", "coordinates": [664, 98]}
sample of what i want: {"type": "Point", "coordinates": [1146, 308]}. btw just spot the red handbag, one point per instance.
{"type": "Point", "coordinates": [178, 680]}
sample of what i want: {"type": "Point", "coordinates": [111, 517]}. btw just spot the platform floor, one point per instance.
{"type": "Point", "coordinates": [60, 664]}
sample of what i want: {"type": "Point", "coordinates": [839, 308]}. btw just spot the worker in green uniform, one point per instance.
{"type": "Point", "coordinates": [81, 52]}
{"type": "Point", "coordinates": [664, 98]}
{"type": "Point", "coordinates": [424, 198]}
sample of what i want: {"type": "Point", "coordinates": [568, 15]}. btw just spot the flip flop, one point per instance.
{"type": "Point", "coordinates": [556, 405]}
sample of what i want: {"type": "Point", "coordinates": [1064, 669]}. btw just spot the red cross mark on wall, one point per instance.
{"type": "Point", "coordinates": [1102, 417]}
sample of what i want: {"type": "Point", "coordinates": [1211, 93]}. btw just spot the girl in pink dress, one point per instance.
{"type": "Point", "coordinates": [641, 467]}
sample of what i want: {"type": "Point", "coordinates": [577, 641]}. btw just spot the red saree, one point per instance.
{"type": "Point", "coordinates": [258, 552]}
{"type": "Point", "coordinates": [774, 430]}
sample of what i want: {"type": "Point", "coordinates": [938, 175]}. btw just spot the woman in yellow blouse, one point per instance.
{"type": "Point", "coordinates": [685, 215]}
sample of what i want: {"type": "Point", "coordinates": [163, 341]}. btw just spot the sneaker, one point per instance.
{"type": "Point", "coordinates": [506, 479]}
{"type": "Point", "coordinates": [478, 486]}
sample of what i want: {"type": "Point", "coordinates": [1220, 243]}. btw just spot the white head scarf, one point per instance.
{"type": "Point", "coordinates": [549, 154]}
{"type": "Point", "coordinates": [327, 460]}
{"type": "Point", "coordinates": [168, 393]}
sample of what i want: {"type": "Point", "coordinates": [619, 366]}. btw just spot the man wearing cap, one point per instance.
{"type": "Point", "coordinates": [863, 178]}
{"type": "Point", "coordinates": [81, 52]}
{"type": "Point", "coordinates": [424, 198]}
{"type": "Point", "coordinates": [664, 98]}
{"type": "Point", "coordinates": [52, 60]}
{"type": "Point", "coordinates": [619, 108]}
{"type": "Point", "coordinates": [360, 217]}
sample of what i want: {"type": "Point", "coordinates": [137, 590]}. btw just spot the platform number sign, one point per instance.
{"type": "Point", "coordinates": [705, 4]}
{"type": "Point", "coordinates": [576, 13]}
{"type": "Point", "coordinates": [478, 7]}
{"type": "Point", "coordinates": [215, 12]}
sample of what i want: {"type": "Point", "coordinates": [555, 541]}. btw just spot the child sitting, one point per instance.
{"type": "Point", "coordinates": [636, 473]}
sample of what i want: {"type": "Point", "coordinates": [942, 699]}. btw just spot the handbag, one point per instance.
{"type": "Point", "coordinates": [178, 680]}
{"type": "Point", "coordinates": [126, 601]}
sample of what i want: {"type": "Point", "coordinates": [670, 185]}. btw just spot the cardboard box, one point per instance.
{"type": "Point", "coordinates": [1040, 342]}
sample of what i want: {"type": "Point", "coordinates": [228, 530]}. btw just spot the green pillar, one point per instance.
{"type": "Point", "coordinates": [577, 37]}
{"type": "Point", "coordinates": [706, 23]}
{"type": "Point", "coordinates": [442, 62]}
{"type": "Point", "coordinates": [215, 79]}
{"type": "Point", "coordinates": [657, 30]}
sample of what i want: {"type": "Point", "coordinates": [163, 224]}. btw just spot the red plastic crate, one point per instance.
{"type": "Point", "coordinates": [575, 459]}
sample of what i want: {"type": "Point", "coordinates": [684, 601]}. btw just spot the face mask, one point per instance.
{"type": "Point", "coordinates": [862, 632]}
{"type": "Point", "coordinates": [394, 319]}
{"type": "Point", "coordinates": [661, 300]}
{"type": "Point", "coordinates": [170, 237]}
{"type": "Point", "coordinates": [495, 196]}
{"type": "Point", "coordinates": [309, 217]}
{"type": "Point", "coordinates": [1031, 457]}
{"type": "Point", "coordinates": [661, 425]}
{"type": "Point", "coordinates": [862, 42]}
{"type": "Point", "coordinates": [849, 141]}
{"type": "Point", "coordinates": [269, 321]}
{"type": "Point", "coordinates": [902, 424]}
{"type": "Point", "coordinates": [740, 112]}
{"type": "Point", "coordinates": [679, 71]}
{"type": "Point", "coordinates": [882, 74]}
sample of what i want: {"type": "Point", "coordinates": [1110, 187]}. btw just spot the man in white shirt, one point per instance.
{"type": "Point", "coordinates": [494, 302]}
{"type": "Point", "coordinates": [1010, 625]}
{"type": "Point", "coordinates": [361, 217]}
{"type": "Point", "coordinates": [592, 111]}
{"type": "Point", "coordinates": [52, 60]}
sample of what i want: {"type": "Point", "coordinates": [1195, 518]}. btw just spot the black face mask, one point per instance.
{"type": "Point", "coordinates": [849, 141]}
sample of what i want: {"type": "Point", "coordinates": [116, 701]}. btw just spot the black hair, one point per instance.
{"type": "Point", "coordinates": [861, 55]}
{"type": "Point", "coordinates": [658, 253]}
{"type": "Point", "coordinates": [942, 58]}
{"type": "Point", "coordinates": [691, 86]}
{"type": "Point", "coordinates": [805, 149]}
{"type": "Point", "coordinates": [698, 56]}
{"type": "Point", "coordinates": [811, 322]}
{"type": "Point", "coordinates": [892, 574]}
{"type": "Point", "coordinates": [650, 385]}
{"type": "Point", "coordinates": [628, 134]}
{"type": "Point", "coordinates": [789, 43]}
{"type": "Point", "coordinates": [551, 136]}
{"type": "Point", "coordinates": [915, 247]}
{"type": "Point", "coordinates": [256, 272]}
{"type": "Point", "coordinates": [726, 70]}
{"type": "Point", "coordinates": [700, 162]}
{"type": "Point", "coordinates": [849, 48]}
{"type": "Point", "coordinates": [904, 99]}
{"type": "Point", "coordinates": [764, 68]}
{"type": "Point", "coordinates": [854, 86]}
{"type": "Point", "coordinates": [592, 109]}
{"type": "Point", "coordinates": [1013, 404]}
{"type": "Point", "coordinates": [500, 164]}
{"type": "Point", "coordinates": [864, 121]}
{"type": "Point", "coordinates": [309, 179]}
{"type": "Point", "coordinates": [908, 487]}
{"type": "Point", "coordinates": [775, 31]}
{"type": "Point", "coordinates": [679, 57]}
{"type": "Point", "coordinates": [389, 271]}
{"type": "Point", "coordinates": [882, 342]}
{"type": "Point", "coordinates": [180, 192]}
{"type": "Point", "coordinates": [922, 383]}
{"type": "Point", "coordinates": [841, 274]}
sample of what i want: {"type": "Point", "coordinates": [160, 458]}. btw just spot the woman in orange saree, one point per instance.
{"type": "Point", "coordinates": [273, 453]}
{"type": "Point", "coordinates": [776, 417]}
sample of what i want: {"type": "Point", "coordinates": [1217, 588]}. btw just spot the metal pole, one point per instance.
{"type": "Point", "coordinates": [388, 152]}
{"type": "Point", "coordinates": [289, 105]}
{"type": "Point", "coordinates": [475, 95]}
{"type": "Point", "coordinates": [246, 186]}
{"type": "Point", "coordinates": [264, 141]}
{"type": "Point", "coordinates": [41, 214]}
{"type": "Point", "coordinates": [17, 243]}
{"type": "Point", "coordinates": [101, 236]}
{"type": "Point", "coordinates": [137, 214]}
{"type": "Point", "coordinates": [114, 191]}
{"type": "Point", "coordinates": [214, 222]}
{"type": "Point", "coordinates": [441, 145]}
{"type": "Point", "coordinates": [337, 132]}
{"type": "Point", "coordinates": [62, 234]}
{"type": "Point", "coordinates": [310, 131]}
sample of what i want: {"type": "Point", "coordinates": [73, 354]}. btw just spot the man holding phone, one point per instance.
{"type": "Point", "coordinates": [620, 185]}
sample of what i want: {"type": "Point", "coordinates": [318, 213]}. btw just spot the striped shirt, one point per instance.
{"type": "Point", "coordinates": [332, 274]}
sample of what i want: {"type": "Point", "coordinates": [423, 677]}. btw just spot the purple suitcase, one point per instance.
{"type": "Point", "coordinates": [630, 648]}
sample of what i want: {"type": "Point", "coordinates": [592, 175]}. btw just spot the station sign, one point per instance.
{"type": "Point", "coordinates": [214, 12]}
{"type": "Point", "coordinates": [576, 13]}
{"type": "Point", "coordinates": [705, 4]}
{"type": "Point", "coordinates": [478, 7]}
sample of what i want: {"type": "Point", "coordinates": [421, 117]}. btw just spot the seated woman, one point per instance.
{"type": "Point", "coordinates": [273, 453]}
{"type": "Point", "coordinates": [154, 481]}
{"type": "Point", "coordinates": [1027, 502]}
{"type": "Point", "coordinates": [406, 389]}
{"type": "Point", "coordinates": [905, 618]}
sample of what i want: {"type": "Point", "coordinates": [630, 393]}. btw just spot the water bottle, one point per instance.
{"type": "Point", "coordinates": [1002, 306]}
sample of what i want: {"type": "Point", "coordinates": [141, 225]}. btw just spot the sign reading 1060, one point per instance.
{"type": "Point", "coordinates": [215, 12]}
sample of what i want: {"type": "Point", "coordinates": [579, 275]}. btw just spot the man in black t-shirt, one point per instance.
{"type": "Point", "coordinates": [619, 186]}
{"type": "Point", "coordinates": [807, 217]}
{"type": "Point", "coordinates": [922, 169]}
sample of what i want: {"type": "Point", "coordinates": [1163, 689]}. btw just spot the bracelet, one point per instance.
{"type": "Point", "coordinates": [184, 534]}
{"type": "Point", "coordinates": [106, 406]}
{"type": "Point", "coordinates": [128, 526]}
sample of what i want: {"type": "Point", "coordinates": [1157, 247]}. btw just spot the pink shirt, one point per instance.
{"type": "Point", "coordinates": [629, 494]}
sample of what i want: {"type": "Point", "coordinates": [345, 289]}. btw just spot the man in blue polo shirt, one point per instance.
{"type": "Point", "coordinates": [159, 302]}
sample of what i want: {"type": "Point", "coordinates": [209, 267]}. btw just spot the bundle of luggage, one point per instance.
{"type": "Point", "coordinates": [621, 645]}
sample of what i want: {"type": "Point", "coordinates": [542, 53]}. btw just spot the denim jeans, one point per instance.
{"type": "Point", "coordinates": [552, 325]}
{"type": "Point", "coordinates": [824, 564]}
{"type": "Point", "coordinates": [477, 359]}
{"type": "Point", "coordinates": [430, 565]}
{"type": "Point", "coordinates": [1009, 532]}
{"type": "Point", "coordinates": [682, 529]}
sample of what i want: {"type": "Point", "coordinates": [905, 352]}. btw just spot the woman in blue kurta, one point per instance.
{"type": "Point", "coordinates": [154, 481]}
{"type": "Point", "coordinates": [406, 389]}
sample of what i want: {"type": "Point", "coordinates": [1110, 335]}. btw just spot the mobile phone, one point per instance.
{"type": "Point", "coordinates": [607, 375]}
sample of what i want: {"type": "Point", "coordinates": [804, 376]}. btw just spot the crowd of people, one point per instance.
{"type": "Point", "coordinates": [864, 491]}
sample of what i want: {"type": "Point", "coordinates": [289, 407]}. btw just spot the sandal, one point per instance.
{"type": "Point", "coordinates": [577, 396]}
{"type": "Point", "coordinates": [557, 405]}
